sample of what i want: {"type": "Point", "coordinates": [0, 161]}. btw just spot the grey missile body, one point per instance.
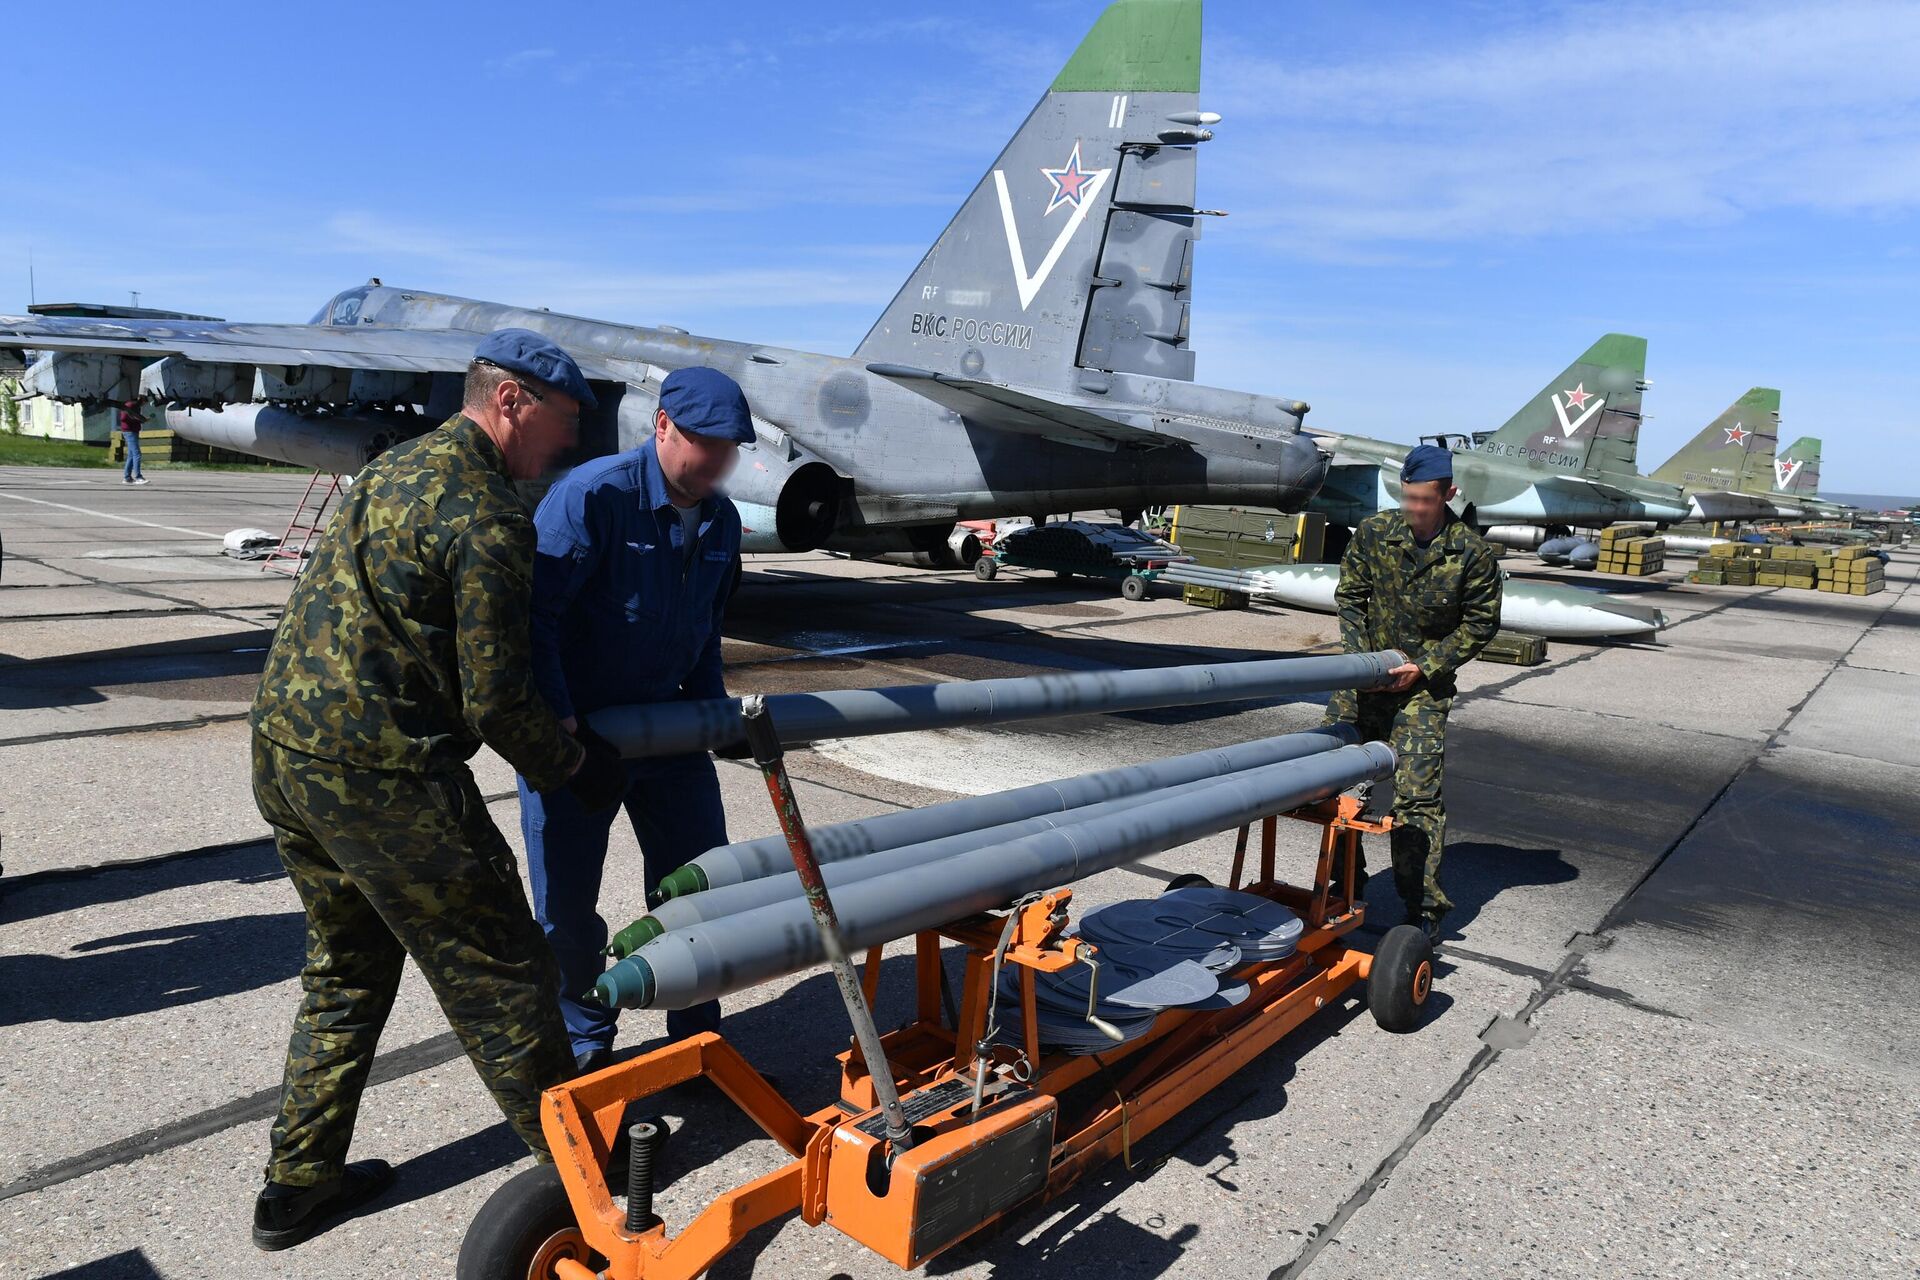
{"type": "Point", "coordinates": [692, 965]}
{"type": "Point", "coordinates": [675, 728]}
{"type": "Point", "coordinates": [335, 443]}
{"type": "Point", "coordinates": [752, 859]}
{"type": "Point", "coordinates": [696, 908]}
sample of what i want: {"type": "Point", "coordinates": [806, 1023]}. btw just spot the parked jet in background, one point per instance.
{"type": "Point", "coordinates": [1728, 469]}
{"type": "Point", "coordinates": [1565, 459]}
{"type": "Point", "coordinates": [1797, 479]}
{"type": "Point", "coordinates": [1035, 362]}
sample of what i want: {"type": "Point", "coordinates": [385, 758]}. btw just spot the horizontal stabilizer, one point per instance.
{"type": "Point", "coordinates": [1008, 409]}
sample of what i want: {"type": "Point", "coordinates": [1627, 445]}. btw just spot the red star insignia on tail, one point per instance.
{"type": "Point", "coordinates": [1736, 435]}
{"type": "Point", "coordinates": [1578, 397]}
{"type": "Point", "coordinates": [1069, 182]}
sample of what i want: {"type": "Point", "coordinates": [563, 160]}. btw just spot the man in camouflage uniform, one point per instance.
{"type": "Point", "coordinates": [404, 646]}
{"type": "Point", "coordinates": [1420, 581]}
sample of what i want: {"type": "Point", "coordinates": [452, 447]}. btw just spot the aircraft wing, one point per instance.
{"type": "Point", "coordinates": [1009, 409]}
{"type": "Point", "coordinates": [1585, 483]}
{"type": "Point", "coordinates": [1730, 504]}
{"type": "Point", "coordinates": [1342, 450]}
{"type": "Point", "coordinates": [310, 345]}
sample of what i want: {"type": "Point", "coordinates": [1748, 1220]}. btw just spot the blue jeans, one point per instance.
{"type": "Point", "coordinates": [133, 454]}
{"type": "Point", "coordinates": [674, 806]}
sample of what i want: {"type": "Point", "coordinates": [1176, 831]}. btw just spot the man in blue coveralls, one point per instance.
{"type": "Point", "coordinates": [637, 555]}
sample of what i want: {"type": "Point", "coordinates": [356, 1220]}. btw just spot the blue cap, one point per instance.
{"type": "Point", "coordinates": [1427, 462]}
{"type": "Point", "coordinates": [539, 357]}
{"type": "Point", "coordinates": [706, 402]}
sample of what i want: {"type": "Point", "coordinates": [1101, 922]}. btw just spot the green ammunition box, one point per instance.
{"type": "Point", "coordinates": [1515, 649]}
{"type": "Point", "coordinates": [1213, 597]}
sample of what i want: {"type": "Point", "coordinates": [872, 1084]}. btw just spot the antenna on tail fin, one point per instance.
{"type": "Point", "coordinates": [1588, 418]}
{"type": "Point", "coordinates": [1073, 256]}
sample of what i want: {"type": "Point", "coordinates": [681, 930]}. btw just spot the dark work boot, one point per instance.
{"type": "Point", "coordinates": [585, 1064]}
{"type": "Point", "coordinates": [284, 1216]}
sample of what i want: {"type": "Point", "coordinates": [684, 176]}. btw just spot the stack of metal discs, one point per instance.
{"type": "Point", "coordinates": [1197, 920]}
{"type": "Point", "coordinates": [1155, 954]}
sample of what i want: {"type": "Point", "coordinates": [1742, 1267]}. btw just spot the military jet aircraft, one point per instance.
{"type": "Point", "coordinates": [1036, 361]}
{"type": "Point", "coordinates": [1729, 470]}
{"type": "Point", "coordinates": [1797, 479]}
{"type": "Point", "coordinates": [1564, 459]}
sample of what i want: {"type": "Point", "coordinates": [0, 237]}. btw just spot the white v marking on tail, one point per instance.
{"type": "Point", "coordinates": [1570, 429]}
{"type": "Point", "coordinates": [1029, 285]}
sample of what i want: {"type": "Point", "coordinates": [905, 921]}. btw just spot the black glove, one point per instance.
{"type": "Point", "coordinates": [601, 780]}
{"type": "Point", "coordinates": [736, 750]}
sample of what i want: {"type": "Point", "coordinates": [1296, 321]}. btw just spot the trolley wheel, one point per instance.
{"type": "Point", "coordinates": [1191, 880]}
{"type": "Point", "coordinates": [1133, 587]}
{"type": "Point", "coordinates": [523, 1230]}
{"type": "Point", "coordinates": [1401, 978]}
{"type": "Point", "coordinates": [985, 568]}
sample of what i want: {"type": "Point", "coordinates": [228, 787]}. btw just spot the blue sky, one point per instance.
{"type": "Point", "coordinates": [1434, 207]}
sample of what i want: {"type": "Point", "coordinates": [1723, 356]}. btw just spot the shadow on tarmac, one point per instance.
{"type": "Point", "coordinates": [152, 970]}
{"type": "Point", "coordinates": [77, 888]}
{"type": "Point", "coordinates": [130, 1265]}
{"type": "Point", "coordinates": [168, 669]}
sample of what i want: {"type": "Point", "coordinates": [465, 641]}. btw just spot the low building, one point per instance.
{"type": "Point", "coordinates": [94, 424]}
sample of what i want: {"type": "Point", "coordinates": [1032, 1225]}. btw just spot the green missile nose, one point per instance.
{"type": "Point", "coordinates": [678, 883]}
{"type": "Point", "coordinates": [627, 985]}
{"type": "Point", "coordinates": [633, 937]}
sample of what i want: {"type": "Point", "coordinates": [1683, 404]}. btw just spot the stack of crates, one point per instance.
{"type": "Point", "coordinates": [1624, 549]}
{"type": "Point", "coordinates": [1853, 571]}
{"type": "Point", "coordinates": [1792, 567]}
{"type": "Point", "coordinates": [1729, 564]}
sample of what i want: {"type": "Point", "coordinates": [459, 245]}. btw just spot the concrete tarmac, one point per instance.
{"type": "Point", "coordinates": [1673, 1032]}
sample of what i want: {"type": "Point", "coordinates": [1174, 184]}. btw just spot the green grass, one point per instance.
{"type": "Point", "coordinates": [38, 451]}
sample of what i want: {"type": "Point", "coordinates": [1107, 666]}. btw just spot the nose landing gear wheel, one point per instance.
{"type": "Point", "coordinates": [523, 1231]}
{"type": "Point", "coordinates": [1401, 978]}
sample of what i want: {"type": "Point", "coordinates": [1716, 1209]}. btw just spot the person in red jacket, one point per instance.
{"type": "Point", "coordinates": [131, 420]}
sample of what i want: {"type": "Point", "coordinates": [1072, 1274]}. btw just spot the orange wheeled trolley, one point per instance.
{"type": "Point", "coordinates": [998, 1121]}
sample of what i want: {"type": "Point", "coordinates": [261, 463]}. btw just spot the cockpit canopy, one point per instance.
{"type": "Point", "coordinates": [344, 307]}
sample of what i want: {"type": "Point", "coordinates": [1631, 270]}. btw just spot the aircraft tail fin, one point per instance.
{"type": "Point", "coordinates": [1588, 418]}
{"type": "Point", "coordinates": [1797, 469]}
{"type": "Point", "coordinates": [1073, 256]}
{"type": "Point", "coordinates": [1732, 453]}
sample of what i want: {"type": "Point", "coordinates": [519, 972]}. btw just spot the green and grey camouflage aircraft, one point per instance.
{"type": "Point", "coordinates": [1564, 459]}
{"type": "Point", "coordinates": [1797, 479]}
{"type": "Point", "coordinates": [1727, 468]}
{"type": "Point", "coordinates": [1731, 472]}
{"type": "Point", "coordinates": [1036, 361]}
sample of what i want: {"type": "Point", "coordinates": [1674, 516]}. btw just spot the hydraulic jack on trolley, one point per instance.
{"type": "Point", "coordinates": [946, 1123]}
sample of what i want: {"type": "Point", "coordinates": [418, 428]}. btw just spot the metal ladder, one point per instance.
{"type": "Point", "coordinates": [309, 518]}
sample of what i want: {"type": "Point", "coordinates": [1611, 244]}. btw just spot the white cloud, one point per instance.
{"type": "Point", "coordinates": [1592, 118]}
